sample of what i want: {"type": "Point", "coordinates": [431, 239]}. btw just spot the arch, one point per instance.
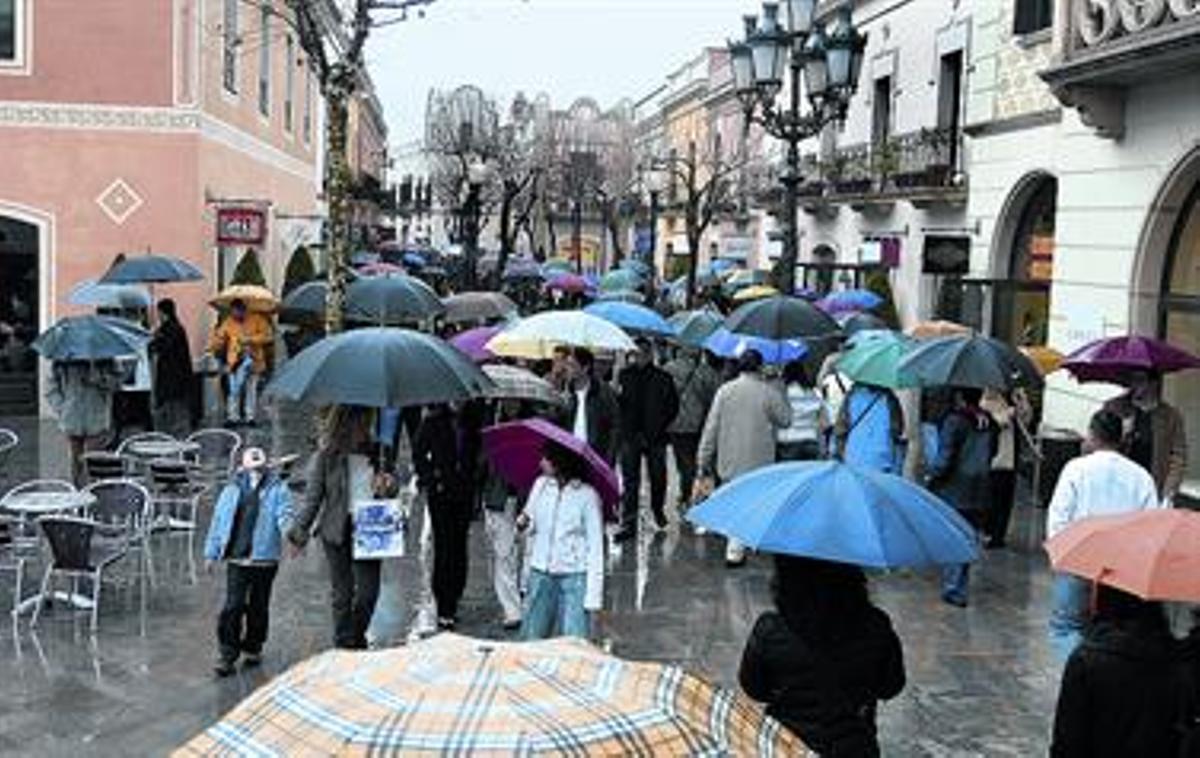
{"type": "Point", "coordinates": [1021, 263]}
{"type": "Point", "coordinates": [41, 226]}
{"type": "Point", "coordinates": [1007, 223]}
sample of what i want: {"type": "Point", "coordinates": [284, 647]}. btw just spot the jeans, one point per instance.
{"type": "Point", "coordinates": [684, 447]}
{"type": "Point", "coordinates": [956, 576]}
{"type": "Point", "coordinates": [1068, 614]}
{"type": "Point", "coordinates": [506, 562]}
{"type": "Point", "coordinates": [451, 521]}
{"type": "Point", "coordinates": [242, 380]}
{"type": "Point", "coordinates": [242, 623]}
{"type": "Point", "coordinates": [631, 473]}
{"type": "Point", "coordinates": [1004, 485]}
{"type": "Point", "coordinates": [355, 588]}
{"type": "Point", "coordinates": [555, 598]}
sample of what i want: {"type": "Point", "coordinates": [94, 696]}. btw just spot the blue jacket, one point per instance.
{"type": "Point", "coordinates": [275, 515]}
{"type": "Point", "coordinates": [960, 473]}
{"type": "Point", "coordinates": [870, 428]}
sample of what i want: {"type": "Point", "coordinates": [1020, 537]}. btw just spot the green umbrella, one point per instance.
{"type": "Point", "coordinates": [619, 280]}
{"type": "Point", "coordinates": [874, 356]}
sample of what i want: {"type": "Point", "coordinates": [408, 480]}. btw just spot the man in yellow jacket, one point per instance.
{"type": "Point", "coordinates": [241, 340]}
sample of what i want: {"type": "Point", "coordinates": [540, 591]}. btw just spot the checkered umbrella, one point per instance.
{"type": "Point", "coordinates": [516, 383]}
{"type": "Point", "coordinates": [456, 695]}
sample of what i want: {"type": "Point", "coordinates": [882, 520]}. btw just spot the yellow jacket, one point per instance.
{"type": "Point", "coordinates": [231, 338]}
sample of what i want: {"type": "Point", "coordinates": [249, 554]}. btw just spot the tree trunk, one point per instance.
{"type": "Point", "coordinates": [507, 234]}
{"type": "Point", "coordinates": [337, 190]}
{"type": "Point", "coordinates": [614, 230]}
{"type": "Point", "coordinates": [693, 233]}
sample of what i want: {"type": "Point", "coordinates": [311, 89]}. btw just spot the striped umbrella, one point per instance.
{"type": "Point", "coordinates": [456, 695]}
{"type": "Point", "coordinates": [516, 383]}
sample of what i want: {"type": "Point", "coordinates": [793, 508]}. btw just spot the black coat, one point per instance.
{"type": "Point", "coordinates": [1123, 693]}
{"type": "Point", "coordinates": [443, 458]}
{"type": "Point", "coordinates": [603, 424]}
{"type": "Point", "coordinates": [827, 694]}
{"type": "Point", "coordinates": [172, 362]}
{"type": "Point", "coordinates": [649, 402]}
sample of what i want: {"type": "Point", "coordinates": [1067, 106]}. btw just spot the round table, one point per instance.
{"type": "Point", "coordinates": [46, 503]}
{"type": "Point", "coordinates": [148, 449]}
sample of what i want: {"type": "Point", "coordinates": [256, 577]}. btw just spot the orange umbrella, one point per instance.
{"type": "Point", "coordinates": [1047, 359]}
{"type": "Point", "coordinates": [1153, 554]}
{"type": "Point", "coordinates": [926, 330]}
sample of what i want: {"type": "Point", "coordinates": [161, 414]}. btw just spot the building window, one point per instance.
{"type": "Point", "coordinates": [10, 36]}
{"type": "Point", "coordinates": [1033, 16]}
{"type": "Point", "coordinates": [949, 119]}
{"type": "Point", "coordinates": [230, 57]}
{"type": "Point", "coordinates": [289, 81]}
{"type": "Point", "coordinates": [881, 116]}
{"type": "Point", "coordinates": [264, 62]}
{"type": "Point", "coordinates": [307, 115]}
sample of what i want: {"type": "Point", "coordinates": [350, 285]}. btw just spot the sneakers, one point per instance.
{"type": "Point", "coordinates": [511, 625]}
{"type": "Point", "coordinates": [445, 624]}
{"type": "Point", "coordinates": [660, 523]}
{"type": "Point", "coordinates": [250, 660]}
{"type": "Point", "coordinates": [224, 666]}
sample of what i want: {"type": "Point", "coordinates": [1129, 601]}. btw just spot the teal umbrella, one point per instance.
{"type": "Point", "coordinates": [91, 338]}
{"type": "Point", "coordinates": [621, 279]}
{"type": "Point", "coordinates": [692, 328]}
{"type": "Point", "coordinates": [874, 357]}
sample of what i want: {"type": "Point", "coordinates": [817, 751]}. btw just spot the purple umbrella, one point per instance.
{"type": "Point", "coordinates": [567, 283]}
{"type": "Point", "coordinates": [849, 300]}
{"type": "Point", "coordinates": [515, 451]}
{"type": "Point", "coordinates": [473, 342]}
{"type": "Point", "coordinates": [1111, 359]}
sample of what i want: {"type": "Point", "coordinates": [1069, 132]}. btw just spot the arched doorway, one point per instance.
{"type": "Point", "coordinates": [1179, 317]}
{"type": "Point", "coordinates": [1024, 262]}
{"type": "Point", "coordinates": [20, 280]}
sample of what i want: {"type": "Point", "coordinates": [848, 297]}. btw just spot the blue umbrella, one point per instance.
{"type": "Point", "coordinates": [727, 344]}
{"type": "Point", "coordinates": [96, 295]}
{"type": "Point", "coordinates": [641, 268]}
{"type": "Point", "coordinates": [692, 328]}
{"type": "Point", "coordinates": [837, 512]}
{"type": "Point", "coordinates": [416, 260]}
{"type": "Point", "coordinates": [380, 367]}
{"type": "Point", "coordinates": [721, 265]}
{"type": "Point", "coordinates": [149, 269]}
{"type": "Point", "coordinates": [631, 317]}
{"type": "Point", "coordinates": [91, 338]}
{"type": "Point", "coordinates": [850, 301]}
{"type": "Point", "coordinates": [621, 296]}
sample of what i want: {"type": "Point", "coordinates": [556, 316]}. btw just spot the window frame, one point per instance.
{"type": "Point", "coordinates": [264, 62]}
{"type": "Point", "coordinates": [289, 84]}
{"type": "Point", "coordinates": [307, 116]}
{"type": "Point", "coordinates": [230, 42]}
{"type": "Point", "coordinates": [1032, 17]}
{"type": "Point", "coordinates": [21, 41]}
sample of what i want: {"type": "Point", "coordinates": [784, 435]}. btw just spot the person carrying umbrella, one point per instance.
{"type": "Point", "coordinates": [592, 413]}
{"type": "Point", "coordinates": [804, 438]}
{"type": "Point", "coordinates": [648, 403]}
{"type": "Point", "coordinates": [81, 396]}
{"type": "Point", "coordinates": [696, 384]}
{"type": "Point", "coordinates": [241, 341]}
{"type": "Point", "coordinates": [869, 430]}
{"type": "Point", "coordinates": [1152, 431]}
{"type": "Point", "coordinates": [172, 372]}
{"type": "Point", "coordinates": [1008, 410]}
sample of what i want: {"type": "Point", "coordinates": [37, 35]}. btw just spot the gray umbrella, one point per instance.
{"type": "Point", "coordinates": [90, 338]}
{"type": "Point", "coordinates": [393, 299]}
{"type": "Point", "coordinates": [125, 296]}
{"type": "Point", "coordinates": [478, 306]}
{"type": "Point", "coordinates": [150, 268]}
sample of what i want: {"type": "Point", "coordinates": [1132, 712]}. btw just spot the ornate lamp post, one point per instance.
{"type": "Point", "coordinates": [829, 62]}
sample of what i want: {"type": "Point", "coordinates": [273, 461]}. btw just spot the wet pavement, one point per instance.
{"type": "Point", "coordinates": [980, 681]}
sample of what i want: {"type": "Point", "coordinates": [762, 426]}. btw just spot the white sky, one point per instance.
{"type": "Point", "coordinates": [606, 49]}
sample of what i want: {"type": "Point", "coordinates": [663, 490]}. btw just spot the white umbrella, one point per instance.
{"type": "Point", "coordinates": [91, 293]}
{"type": "Point", "coordinates": [536, 337]}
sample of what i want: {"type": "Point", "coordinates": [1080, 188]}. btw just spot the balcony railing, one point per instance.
{"type": "Point", "coordinates": [1096, 25]}
{"type": "Point", "coordinates": [921, 164]}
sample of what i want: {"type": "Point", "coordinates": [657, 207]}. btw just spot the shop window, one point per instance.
{"type": "Point", "coordinates": [1033, 16]}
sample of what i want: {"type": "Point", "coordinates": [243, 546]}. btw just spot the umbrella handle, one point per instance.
{"type": "Point", "coordinates": [1029, 439]}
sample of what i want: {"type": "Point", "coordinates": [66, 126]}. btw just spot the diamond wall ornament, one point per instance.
{"type": "Point", "coordinates": [119, 201]}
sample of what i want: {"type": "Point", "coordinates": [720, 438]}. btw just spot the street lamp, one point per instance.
{"type": "Point", "coordinates": [829, 61]}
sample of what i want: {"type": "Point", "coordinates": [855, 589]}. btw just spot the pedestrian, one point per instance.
{"type": "Point", "coordinates": [592, 413]}
{"type": "Point", "coordinates": [739, 433]}
{"type": "Point", "coordinates": [961, 475]}
{"type": "Point", "coordinates": [870, 429]}
{"type": "Point", "coordinates": [1007, 411]}
{"type": "Point", "coordinates": [559, 375]}
{"type": "Point", "coordinates": [81, 395]}
{"type": "Point", "coordinates": [824, 658]}
{"type": "Point", "coordinates": [1153, 432]}
{"type": "Point", "coordinates": [562, 521]}
{"type": "Point", "coordinates": [500, 511]}
{"type": "Point", "coordinates": [804, 438]}
{"type": "Point", "coordinates": [172, 391]}
{"type": "Point", "coordinates": [1101, 482]}
{"type": "Point", "coordinates": [696, 384]}
{"type": "Point", "coordinates": [1126, 689]}
{"type": "Point", "coordinates": [340, 474]}
{"type": "Point", "coordinates": [440, 457]}
{"type": "Point", "coordinates": [251, 515]}
{"type": "Point", "coordinates": [648, 403]}
{"type": "Point", "coordinates": [241, 341]}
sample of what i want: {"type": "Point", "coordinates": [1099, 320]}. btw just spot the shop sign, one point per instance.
{"type": "Point", "coordinates": [946, 255]}
{"type": "Point", "coordinates": [884, 251]}
{"type": "Point", "coordinates": [241, 226]}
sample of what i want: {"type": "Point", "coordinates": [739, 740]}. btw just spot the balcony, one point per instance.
{"type": "Point", "coordinates": [1105, 47]}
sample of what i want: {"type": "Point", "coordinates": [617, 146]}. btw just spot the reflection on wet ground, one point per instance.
{"type": "Point", "coordinates": [981, 680]}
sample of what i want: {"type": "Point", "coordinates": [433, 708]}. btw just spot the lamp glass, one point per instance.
{"type": "Point", "coordinates": [800, 15]}
{"type": "Point", "coordinates": [767, 72]}
{"type": "Point", "coordinates": [741, 64]}
{"type": "Point", "coordinates": [816, 67]}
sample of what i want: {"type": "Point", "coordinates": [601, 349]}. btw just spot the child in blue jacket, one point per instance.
{"type": "Point", "coordinates": [253, 512]}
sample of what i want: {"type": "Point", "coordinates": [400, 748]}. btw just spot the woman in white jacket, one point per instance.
{"type": "Point", "coordinates": [566, 548]}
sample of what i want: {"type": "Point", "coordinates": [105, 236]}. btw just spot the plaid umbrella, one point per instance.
{"type": "Point", "coordinates": [516, 383]}
{"type": "Point", "coordinates": [452, 694]}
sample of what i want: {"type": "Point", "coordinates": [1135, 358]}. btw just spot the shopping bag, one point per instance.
{"type": "Point", "coordinates": [380, 528]}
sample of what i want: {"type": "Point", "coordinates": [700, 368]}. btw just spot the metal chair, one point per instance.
{"type": "Point", "coordinates": [176, 496]}
{"type": "Point", "coordinates": [8, 443]}
{"type": "Point", "coordinates": [123, 448]}
{"type": "Point", "coordinates": [22, 532]}
{"type": "Point", "coordinates": [75, 553]}
{"type": "Point", "coordinates": [12, 558]}
{"type": "Point", "coordinates": [125, 503]}
{"type": "Point", "coordinates": [100, 465]}
{"type": "Point", "coordinates": [218, 451]}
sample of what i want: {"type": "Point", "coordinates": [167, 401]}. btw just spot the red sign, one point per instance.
{"type": "Point", "coordinates": [241, 226]}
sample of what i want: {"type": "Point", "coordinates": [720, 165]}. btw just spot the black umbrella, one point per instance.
{"type": "Point", "coordinates": [782, 318]}
{"type": "Point", "coordinates": [394, 299]}
{"type": "Point", "coordinates": [478, 306]}
{"type": "Point", "coordinates": [854, 323]}
{"type": "Point", "coordinates": [91, 338]}
{"type": "Point", "coordinates": [150, 268]}
{"type": "Point", "coordinates": [971, 361]}
{"type": "Point", "coordinates": [380, 367]}
{"type": "Point", "coordinates": [304, 304]}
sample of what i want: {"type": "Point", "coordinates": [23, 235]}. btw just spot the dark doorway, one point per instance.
{"type": "Point", "coordinates": [19, 308]}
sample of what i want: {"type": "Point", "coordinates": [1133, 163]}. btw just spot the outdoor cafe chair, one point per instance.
{"type": "Point", "coordinates": [127, 505]}
{"type": "Point", "coordinates": [100, 465]}
{"type": "Point", "coordinates": [176, 495]}
{"type": "Point", "coordinates": [77, 554]}
{"type": "Point", "coordinates": [12, 558]}
{"type": "Point", "coordinates": [23, 535]}
{"type": "Point", "coordinates": [217, 451]}
{"type": "Point", "coordinates": [8, 444]}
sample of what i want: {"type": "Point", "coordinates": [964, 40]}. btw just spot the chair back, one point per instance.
{"type": "Point", "coordinates": [170, 476]}
{"type": "Point", "coordinates": [123, 448]}
{"type": "Point", "coordinates": [70, 540]}
{"type": "Point", "coordinates": [101, 465]}
{"type": "Point", "coordinates": [8, 443]}
{"type": "Point", "coordinates": [39, 485]}
{"type": "Point", "coordinates": [217, 450]}
{"type": "Point", "coordinates": [120, 502]}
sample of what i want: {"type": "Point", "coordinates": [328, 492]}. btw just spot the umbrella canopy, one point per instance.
{"type": "Point", "coordinates": [974, 361]}
{"type": "Point", "coordinates": [473, 342]}
{"type": "Point", "coordinates": [874, 357]}
{"type": "Point", "coordinates": [726, 344]}
{"type": "Point", "coordinates": [380, 367]}
{"type": "Point", "coordinates": [692, 328]}
{"type": "Point", "coordinates": [149, 269]}
{"type": "Point", "coordinates": [96, 295]}
{"type": "Point", "coordinates": [739, 279]}
{"type": "Point", "coordinates": [755, 292]}
{"type": "Point", "coordinates": [557, 266]}
{"type": "Point", "coordinates": [536, 337]}
{"type": "Point", "coordinates": [1047, 359]}
{"type": "Point", "coordinates": [837, 512]}
{"type": "Point", "coordinates": [926, 330]}
{"type": "Point", "coordinates": [850, 301]}
{"type": "Point", "coordinates": [515, 452]}
{"type": "Point", "coordinates": [90, 338]}
{"type": "Point", "coordinates": [516, 383]}
{"type": "Point", "coordinates": [522, 269]}
{"type": "Point", "coordinates": [414, 259]}
{"type": "Point", "coordinates": [257, 299]}
{"type": "Point", "coordinates": [782, 318]}
{"type": "Point", "coordinates": [456, 695]}
{"type": "Point", "coordinates": [304, 303]}
{"type": "Point", "coordinates": [853, 323]}
{"type": "Point", "coordinates": [1111, 359]}
{"type": "Point", "coordinates": [632, 317]}
{"type": "Point", "coordinates": [621, 279]}
{"type": "Point", "coordinates": [621, 296]}
{"type": "Point", "coordinates": [381, 268]}
{"type": "Point", "coordinates": [564, 282]}
{"type": "Point", "coordinates": [639, 267]}
{"type": "Point", "coordinates": [478, 306]}
{"type": "Point", "coordinates": [391, 300]}
{"type": "Point", "coordinates": [1153, 554]}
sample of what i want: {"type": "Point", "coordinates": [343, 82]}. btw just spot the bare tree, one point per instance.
{"type": "Point", "coordinates": [519, 171]}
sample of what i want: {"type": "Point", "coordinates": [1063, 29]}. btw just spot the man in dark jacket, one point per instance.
{"type": "Point", "coordinates": [648, 403]}
{"type": "Point", "coordinates": [591, 407]}
{"type": "Point", "coordinates": [172, 373]}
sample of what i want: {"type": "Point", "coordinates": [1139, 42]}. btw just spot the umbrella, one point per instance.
{"type": "Point", "coordinates": [781, 318]}
{"type": "Point", "coordinates": [1110, 359]}
{"type": "Point", "coordinates": [90, 338]}
{"type": "Point", "coordinates": [381, 268]}
{"type": "Point", "coordinates": [472, 342]}
{"type": "Point", "coordinates": [523, 269]}
{"type": "Point", "coordinates": [304, 303]}
{"type": "Point", "coordinates": [925, 330]}
{"type": "Point", "coordinates": [874, 357]}
{"type": "Point", "coordinates": [566, 283]}
{"type": "Point", "coordinates": [456, 695]}
{"type": "Point", "coordinates": [515, 452]}
{"type": "Point", "coordinates": [478, 306]}
{"type": "Point", "coordinates": [537, 336]}
{"type": "Point", "coordinates": [391, 300]}
{"type": "Point", "coordinates": [975, 361]}
{"type": "Point", "coordinates": [632, 317]}
{"type": "Point", "coordinates": [558, 266]}
{"type": "Point", "coordinates": [727, 344]}
{"type": "Point", "coordinates": [414, 259]}
{"type": "Point", "coordinates": [754, 292]}
{"type": "Point", "coordinates": [1047, 359]}
{"type": "Point", "coordinates": [621, 296]}
{"type": "Point", "coordinates": [381, 367]}
{"type": "Point", "coordinates": [91, 293]}
{"type": "Point", "coordinates": [850, 301]}
{"type": "Point", "coordinates": [838, 512]}
{"type": "Point", "coordinates": [639, 267]}
{"type": "Point", "coordinates": [516, 383]}
{"type": "Point", "coordinates": [150, 269]}
{"type": "Point", "coordinates": [621, 279]}
{"type": "Point", "coordinates": [737, 280]}
{"type": "Point", "coordinates": [257, 299]}
{"type": "Point", "coordinates": [1154, 554]}
{"type": "Point", "coordinates": [692, 328]}
{"type": "Point", "coordinates": [858, 322]}
{"type": "Point", "coordinates": [721, 265]}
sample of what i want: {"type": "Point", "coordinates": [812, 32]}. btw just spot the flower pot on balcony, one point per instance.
{"type": "Point", "coordinates": [909, 179]}
{"type": "Point", "coordinates": [937, 175]}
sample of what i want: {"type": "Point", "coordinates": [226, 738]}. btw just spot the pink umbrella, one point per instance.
{"type": "Point", "coordinates": [515, 452]}
{"type": "Point", "coordinates": [1112, 358]}
{"type": "Point", "coordinates": [473, 342]}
